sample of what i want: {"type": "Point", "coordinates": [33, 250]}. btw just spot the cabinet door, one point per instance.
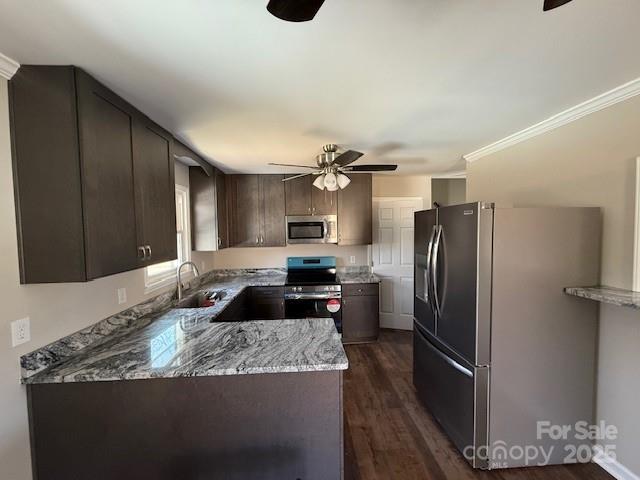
{"type": "Point", "coordinates": [204, 237]}
{"type": "Point", "coordinates": [360, 318]}
{"type": "Point", "coordinates": [273, 208]}
{"type": "Point", "coordinates": [323, 202]}
{"type": "Point", "coordinates": [354, 211]}
{"type": "Point", "coordinates": [298, 196]}
{"type": "Point", "coordinates": [221, 207]}
{"type": "Point", "coordinates": [247, 213]}
{"type": "Point", "coordinates": [105, 125]}
{"type": "Point", "coordinates": [267, 303]}
{"type": "Point", "coordinates": [155, 191]}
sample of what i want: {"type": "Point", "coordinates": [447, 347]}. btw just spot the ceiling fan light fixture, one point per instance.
{"type": "Point", "coordinates": [331, 182]}
{"type": "Point", "coordinates": [319, 182]}
{"type": "Point", "coordinates": [343, 180]}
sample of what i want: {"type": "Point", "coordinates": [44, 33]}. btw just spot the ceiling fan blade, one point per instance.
{"type": "Point", "coordinates": [551, 4]}
{"type": "Point", "coordinates": [370, 168]}
{"type": "Point", "coordinates": [297, 176]}
{"type": "Point", "coordinates": [294, 10]}
{"type": "Point", "coordinates": [289, 165]}
{"type": "Point", "coordinates": [347, 157]}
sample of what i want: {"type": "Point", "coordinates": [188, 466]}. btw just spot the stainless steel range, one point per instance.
{"type": "Point", "coordinates": [313, 289]}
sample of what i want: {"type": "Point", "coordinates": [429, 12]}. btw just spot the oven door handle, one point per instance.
{"type": "Point", "coordinates": [311, 296]}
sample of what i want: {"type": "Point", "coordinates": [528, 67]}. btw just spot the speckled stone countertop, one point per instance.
{"type": "Point", "coordinates": [612, 295]}
{"type": "Point", "coordinates": [190, 345]}
{"type": "Point", "coordinates": [357, 275]}
{"type": "Point", "coordinates": [154, 339]}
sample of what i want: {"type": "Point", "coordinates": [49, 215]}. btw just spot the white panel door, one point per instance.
{"type": "Point", "coordinates": [392, 260]}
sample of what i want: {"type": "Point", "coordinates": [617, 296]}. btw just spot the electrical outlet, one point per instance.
{"type": "Point", "coordinates": [352, 259]}
{"type": "Point", "coordinates": [122, 296]}
{"type": "Point", "coordinates": [20, 331]}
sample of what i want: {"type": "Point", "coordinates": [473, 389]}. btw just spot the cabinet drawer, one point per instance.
{"type": "Point", "coordinates": [357, 289]}
{"type": "Point", "coordinates": [267, 292]}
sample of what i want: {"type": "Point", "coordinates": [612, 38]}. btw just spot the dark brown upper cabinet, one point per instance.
{"type": "Point", "coordinates": [93, 179]}
{"type": "Point", "coordinates": [155, 185]}
{"type": "Point", "coordinates": [302, 198]}
{"type": "Point", "coordinates": [208, 209]}
{"type": "Point", "coordinates": [355, 211]}
{"type": "Point", "coordinates": [257, 210]}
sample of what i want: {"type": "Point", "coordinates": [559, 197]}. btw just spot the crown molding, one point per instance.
{"type": "Point", "coordinates": [451, 175]}
{"type": "Point", "coordinates": [8, 67]}
{"type": "Point", "coordinates": [618, 94]}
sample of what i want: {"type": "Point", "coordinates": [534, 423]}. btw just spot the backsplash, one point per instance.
{"type": "Point", "coordinates": [276, 257]}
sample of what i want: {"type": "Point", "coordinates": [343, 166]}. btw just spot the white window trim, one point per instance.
{"type": "Point", "coordinates": [157, 282]}
{"type": "Point", "coordinates": [636, 244]}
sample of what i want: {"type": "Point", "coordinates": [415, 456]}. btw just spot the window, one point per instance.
{"type": "Point", "coordinates": [162, 274]}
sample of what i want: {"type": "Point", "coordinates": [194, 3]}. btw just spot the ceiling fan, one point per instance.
{"type": "Point", "coordinates": [305, 10]}
{"type": "Point", "coordinates": [551, 4]}
{"type": "Point", "coordinates": [332, 167]}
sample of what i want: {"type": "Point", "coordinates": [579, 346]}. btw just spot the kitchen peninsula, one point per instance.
{"type": "Point", "coordinates": [158, 390]}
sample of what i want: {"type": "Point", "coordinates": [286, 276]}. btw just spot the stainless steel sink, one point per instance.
{"type": "Point", "coordinates": [197, 300]}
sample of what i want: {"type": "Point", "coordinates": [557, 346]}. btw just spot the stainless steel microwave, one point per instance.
{"type": "Point", "coordinates": [312, 229]}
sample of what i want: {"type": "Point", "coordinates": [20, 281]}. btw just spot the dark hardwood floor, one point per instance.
{"type": "Point", "coordinates": [390, 435]}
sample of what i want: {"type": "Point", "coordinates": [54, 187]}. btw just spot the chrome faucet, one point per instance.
{"type": "Point", "coordinates": [179, 272]}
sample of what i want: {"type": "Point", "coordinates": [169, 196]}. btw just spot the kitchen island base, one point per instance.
{"type": "Point", "coordinates": [265, 426]}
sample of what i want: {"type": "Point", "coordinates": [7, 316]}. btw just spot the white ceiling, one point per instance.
{"type": "Point", "coordinates": [417, 82]}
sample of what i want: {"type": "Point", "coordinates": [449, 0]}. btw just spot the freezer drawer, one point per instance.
{"type": "Point", "coordinates": [449, 390]}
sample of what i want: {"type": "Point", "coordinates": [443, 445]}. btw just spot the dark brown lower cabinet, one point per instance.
{"type": "Point", "coordinates": [266, 303]}
{"type": "Point", "coordinates": [360, 313]}
{"type": "Point", "coordinates": [237, 309]}
{"type": "Point", "coordinates": [237, 427]}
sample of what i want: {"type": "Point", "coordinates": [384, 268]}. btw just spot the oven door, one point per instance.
{"type": "Point", "coordinates": [315, 308]}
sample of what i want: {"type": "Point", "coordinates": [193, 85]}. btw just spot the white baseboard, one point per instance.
{"type": "Point", "coordinates": [612, 466]}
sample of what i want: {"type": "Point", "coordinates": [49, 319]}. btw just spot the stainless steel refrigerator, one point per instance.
{"type": "Point", "coordinates": [498, 346]}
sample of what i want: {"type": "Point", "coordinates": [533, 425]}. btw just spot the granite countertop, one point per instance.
{"type": "Point", "coordinates": [612, 295]}
{"type": "Point", "coordinates": [358, 277]}
{"type": "Point", "coordinates": [359, 274]}
{"type": "Point", "coordinates": [157, 340]}
{"type": "Point", "coordinates": [179, 345]}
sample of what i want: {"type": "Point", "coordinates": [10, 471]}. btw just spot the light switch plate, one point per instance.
{"type": "Point", "coordinates": [122, 296]}
{"type": "Point", "coordinates": [20, 331]}
{"type": "Point", "coordinates": [352, 259]}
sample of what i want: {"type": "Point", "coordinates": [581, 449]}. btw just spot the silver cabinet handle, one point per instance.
{"type": "Point", "coordinates": [143, 252]}
{"type": "Point", "coordinates": [434, 269]}
{"type": "Point", "coordinates": [219, 242]}
{"type": "Point", "coordinates": [262, 239]}
{"type": "Point", "coordinates": [148, 248]}
{"type": "Point", "coordinates": [309, 209]}
{"type": "Point", "coordinates": [257, 239]}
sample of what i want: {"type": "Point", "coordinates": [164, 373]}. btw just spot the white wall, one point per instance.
{"type": "Point", "coordinates": [267, 257]}
{"type": "Point", "coordinates": [55, 310]}
{"type": "Point", "coordinates": [589, 162]}
{"type": "Point", "coordinates": [403, 186]}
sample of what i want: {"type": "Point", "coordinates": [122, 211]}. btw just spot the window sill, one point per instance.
{"type": "Point", "coordinates": [170, 280]}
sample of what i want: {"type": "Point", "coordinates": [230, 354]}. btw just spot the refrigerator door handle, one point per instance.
{"type": "Point", "coordinates": [434, 268]}
{"type": "Point", "coordinates": [427, 271]}
{"type": "Point", "coordinates": [450, 361]}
